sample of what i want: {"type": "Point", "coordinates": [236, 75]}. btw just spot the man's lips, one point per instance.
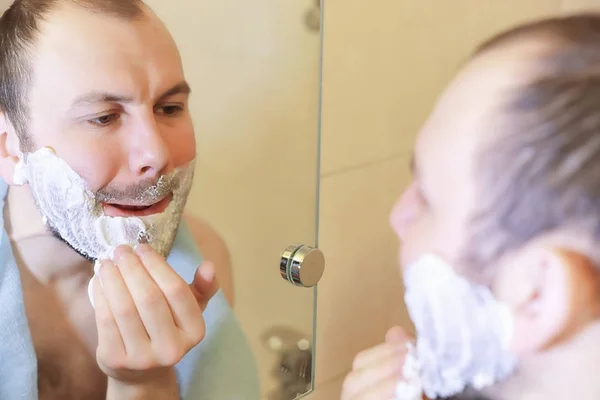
{"type": "Point", "coordinates": [127, 210]}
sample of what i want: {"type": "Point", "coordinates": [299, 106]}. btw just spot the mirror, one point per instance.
{"type": "Point", "coordinates": [254, 68]}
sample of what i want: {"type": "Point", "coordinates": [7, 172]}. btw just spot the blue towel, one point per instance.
{"type": "Point", "coordinates": [221, 367]}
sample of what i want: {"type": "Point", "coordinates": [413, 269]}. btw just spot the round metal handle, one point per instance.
{"type": "Point", "coordinates": [302, 265]}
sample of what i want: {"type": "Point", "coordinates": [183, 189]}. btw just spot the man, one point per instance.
{"type": "Point", "coordinates": [501, 228]}
{"type": "Point", "coordinates": [96, 154]}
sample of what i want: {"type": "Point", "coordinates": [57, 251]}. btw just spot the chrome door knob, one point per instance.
{"type": "Point", "coordinates": [302, 265]}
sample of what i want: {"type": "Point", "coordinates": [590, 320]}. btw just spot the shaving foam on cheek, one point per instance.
{"type": "Point", "coordinates": [463, 332]}
{"type": "Point", "coordinates": [74, 212]}
{"type": "Point", "coordinates": [409, 388]}
{"type": "Point", "coordinates": [69, 208]}
{"type": "Point", "coordinates": [112, 231]}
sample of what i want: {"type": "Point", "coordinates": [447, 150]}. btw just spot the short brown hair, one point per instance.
{"type": "Point", "coordinates": [19, 27]}
{"type": "Point", "coordinates": [541, 172]}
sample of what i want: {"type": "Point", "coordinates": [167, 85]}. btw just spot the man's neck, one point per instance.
{"type": "Point", "coordinates": [567, 371]}
{"type": "Point", "coordinates": [52, 259]}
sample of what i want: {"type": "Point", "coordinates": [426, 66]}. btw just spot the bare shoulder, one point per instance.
{"type": "Point", "coordinates": [213, 248]}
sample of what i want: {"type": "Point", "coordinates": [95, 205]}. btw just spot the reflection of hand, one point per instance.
{"type": "Point", "coordinates": [147, 317]}
{"type": "Point", "coordinates": [377, 371]}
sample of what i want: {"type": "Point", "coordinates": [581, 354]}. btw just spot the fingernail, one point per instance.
{"type": "Point", "coordinates": [90, 293]}
{"type": "Point", "coordinates": [207, 272]}
{"type": "Point", "coordinates": [111, 253]}
{"type": "Point", "coordinates": [143, 248]}
{"type": "Point", "coordinates": [97, 265]}
{"type": "Point", "coordinates": [121, 252]}
{"type": "Point", "coordinates": [103, 263]}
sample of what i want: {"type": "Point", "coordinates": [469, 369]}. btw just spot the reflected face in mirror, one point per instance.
{"type": "Point", "coordinates": [433, 212]}
{"type": "Point", "coordinates": [109, 95]}
{"type": "Point", "coordinates": [489, 206]}
{"type": "Point", "coordinates": [433, 216]}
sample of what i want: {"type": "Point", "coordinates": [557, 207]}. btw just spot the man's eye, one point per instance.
{"type": "Point", "coordinates": [104, 120]}
{"type": "Point", "coordinates": [169, 110]}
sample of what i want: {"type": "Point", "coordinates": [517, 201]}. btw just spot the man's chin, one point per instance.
{"type": "Point", "coordinates": [164, 250]}
{"type": "Point", "coordinates": [57, 235]}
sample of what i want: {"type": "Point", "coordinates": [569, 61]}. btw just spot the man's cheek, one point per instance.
{"type": "Point", "coordinates": [96, 169]}
{"type": "Point", "coordinates": [410, 251]}
{"type": "Point", "coordinates": [418, 241]}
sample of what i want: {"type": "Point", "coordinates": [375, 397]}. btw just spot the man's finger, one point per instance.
{"type": "Point", "coordinates": [382, 370]}
{"type": "Point", "coordinates": [385, 390]}
{"type": "Point", "coordinates": [184, 306]}
{"type": "Point", "coordinates": [205, 284]}
{"type": "Point", "coordinates": [123, 309]}
{"type": "Point", "coordinates": [374, 355]}
{"type": "Point", "coordinates": [110, 342]}
{"type": "Point", "coordinates": [397, 335]}
{"type": "Point", "coordinates": [148, 298]}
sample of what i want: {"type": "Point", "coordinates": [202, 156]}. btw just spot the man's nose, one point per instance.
{"type": "Point", "coordinates": [403, 214]}
{"type": "Point", "coordinates": [149, 156]}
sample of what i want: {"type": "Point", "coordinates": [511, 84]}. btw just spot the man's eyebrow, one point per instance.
{"type": "Point", "coordinates": [100, 97]}
{"type": "Point", "coordinates": [181, 88]}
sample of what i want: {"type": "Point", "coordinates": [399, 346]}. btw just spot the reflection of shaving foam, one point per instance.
{"type": "Point", "coordinates": [463, 331]}
{"type": "Point", "coordinates": [409, 388]}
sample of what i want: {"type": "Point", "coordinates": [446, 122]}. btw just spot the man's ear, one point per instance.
{"type": "Point", "coordinates": [10, 154]}
{"type": "Point", "coordinates": [553, 294]}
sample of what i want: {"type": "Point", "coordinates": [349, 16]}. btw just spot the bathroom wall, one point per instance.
{"type": "Point", "coordinates": [578, 5]}
{"type": "Point", "coordinates": [384, 63]}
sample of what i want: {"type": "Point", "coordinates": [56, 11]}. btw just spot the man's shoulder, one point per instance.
{"type": "Point", "coordinates": [214, 249]}
{"type": "Point", "coordinates": [226, 367]}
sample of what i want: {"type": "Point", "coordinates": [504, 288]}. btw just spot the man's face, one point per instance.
{"type": "Point", "coordinates": [433, 213]}
{"type": "Point", "coordinates": [433, 216]}
{"type": "Point", "coordinates": [109, 96]}
{"type": "Point", "coordinates": [535, 300]}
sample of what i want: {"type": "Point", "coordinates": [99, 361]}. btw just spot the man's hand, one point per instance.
{"type": "Point", "coordinates": [376, 371]}
{"type": "Point", "coordinates": [147, 317]}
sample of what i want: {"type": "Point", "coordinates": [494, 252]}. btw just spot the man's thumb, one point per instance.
{"type": "Point", "coordinates": [204, 285]}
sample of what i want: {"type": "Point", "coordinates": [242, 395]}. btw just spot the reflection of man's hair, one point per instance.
{"type": "Point", "coordinates": [539, 170]}
{"type": "Point", "coordinates": [19, 29]}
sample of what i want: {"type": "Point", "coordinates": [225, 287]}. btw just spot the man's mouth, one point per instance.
{"type": "Point", "coordinates": [136, 210]}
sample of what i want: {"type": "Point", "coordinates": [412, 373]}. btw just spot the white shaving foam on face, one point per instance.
{"type": "Point", "coordinates": [463, 332]}
{"type": "Point", "coordinates": [71, 209]}
{"type": "Point", "coordinates": [409, 388]}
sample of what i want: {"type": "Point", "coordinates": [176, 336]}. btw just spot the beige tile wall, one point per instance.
{"type": "Point", "coordinates": [385, 61]}
{"type": "Point", "coordinates": [578, 5]}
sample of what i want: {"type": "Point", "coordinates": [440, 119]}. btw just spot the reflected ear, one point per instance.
{"type": "Point", "coordinates": [555, 293]}
{"type": "Point", "coordinates": [10, 153]}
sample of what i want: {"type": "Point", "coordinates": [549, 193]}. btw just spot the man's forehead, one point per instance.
{"type": "Point", "coordinates": [75, 28]}
{"type": "Point", "coordinates": [471, 109]}
{"type": "Point", "coordinates": [79, 52]}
